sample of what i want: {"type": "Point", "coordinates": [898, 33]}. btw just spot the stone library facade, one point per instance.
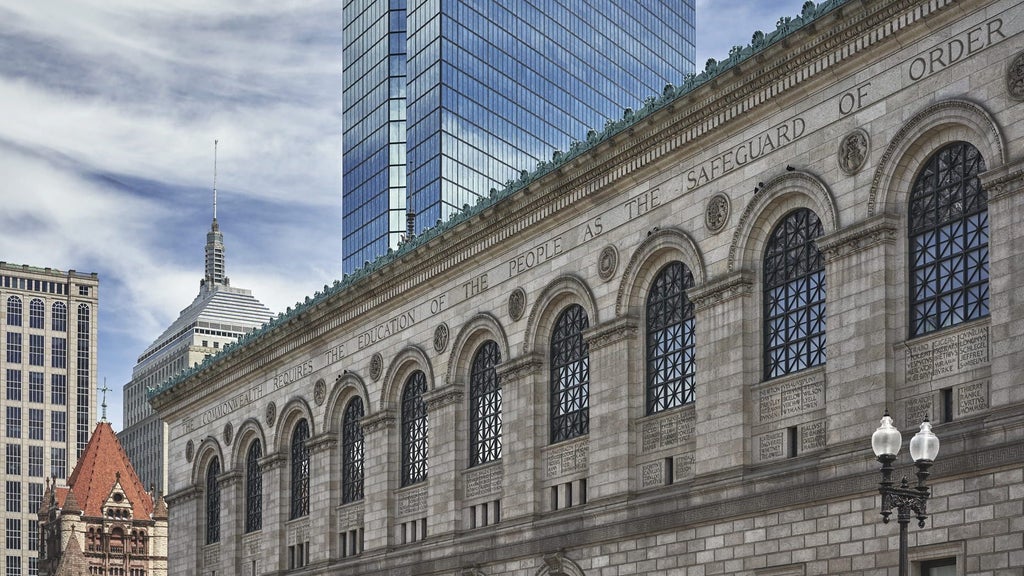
{"type": "Point", "coordinates": [664, 351]}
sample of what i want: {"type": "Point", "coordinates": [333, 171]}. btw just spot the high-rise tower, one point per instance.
{"type": "Point", "coordinates": [219, 315]}
{"type": "Point", "coordinates": [446, 99]}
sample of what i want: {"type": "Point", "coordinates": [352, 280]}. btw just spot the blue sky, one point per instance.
{"type": "Point", "coordinates": [108, 113]}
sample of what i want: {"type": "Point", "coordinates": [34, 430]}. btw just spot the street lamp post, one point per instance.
{"type": "Point", "coordinates": [924, 447]}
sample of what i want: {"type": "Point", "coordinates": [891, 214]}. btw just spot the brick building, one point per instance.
{"type": "Point", "coordinates": [665, 351]}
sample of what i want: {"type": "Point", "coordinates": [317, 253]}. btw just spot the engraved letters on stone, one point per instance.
{"type": "Point", "coordinates": [667, 431]}
{"type": "Point", "coordinates": [483, 482]}
{"type": "Point", "coordinates": [972, 398]}
{"type": "Point", "coordinates": [566, 459]}
{"type": "Point", "coordinates": [948, 354]}
{"type": "Point", "coordinates": [412, 502]}
{"type": "Point", "coordinates": [916, 409]}
{"type": "Point", "coordinates": [652, 474]}
{"type": "Point", "coordinates": [771, 446]}
{"type": "Point", "coordinates": [780, 400]}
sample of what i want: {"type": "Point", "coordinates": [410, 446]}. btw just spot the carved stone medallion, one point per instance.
{"type": "Point", "coordinates": [853, 151]}
{"type": "Point", "coordinates": [320, 392]}
{"type": "Point", "coordinates": [608, 262]}
{"type": "Point", "coordinates": [441, 337]}
{"type": "Point", "coordinates": [717, 213]}
{"type": "Point", "coordinates": [229, 432]}
{"type": "Point", "coordinates": [271, 414]}
{"type": "Point", "coordinates": [517, 303]}
{"type": "Point", "coordinates": [376, 366]}
{"type": "Point", "coordinates": [190, 451]}
{"type": "Point", "coordinates": [1015, 77]}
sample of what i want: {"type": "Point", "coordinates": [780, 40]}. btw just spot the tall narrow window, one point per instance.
{"type": "Point", "coordinates": [14, 311]}
{"type": "Point", "coordinates": [485, 405]}
{"type": "Point", "coordinates": [59, 317]}
{"type": "Point", "coordinates": [570, 375]}
{"type": "Point", "coordinates": [414, 429]}
{"type": "Point", "coordinates": [794, 296]}
{"type": "Point", "coordinates": [670, 346]}
{"type": "Point", "coordinates": [36, 311]}
{"type": "Point", "coordinates": [213, 502]}
{"type": "Point", "coordinates": [253, 488]}
{"type": "Point", "coordinates": [352, 452]}
{"type": "Point", "coordinates": [300, 471]}
{"type": "Point", "coordinates": [948, 231]}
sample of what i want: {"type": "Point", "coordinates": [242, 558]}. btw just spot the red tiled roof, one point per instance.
{"type": "Point", "coordinates": [97, 471]}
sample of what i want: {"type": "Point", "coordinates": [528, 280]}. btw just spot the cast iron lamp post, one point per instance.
{"type": "Point", "coordinates": [924, 447]}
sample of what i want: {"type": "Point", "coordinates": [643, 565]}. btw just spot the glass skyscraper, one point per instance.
{"type": "Point", "coordinates": [446, 99]}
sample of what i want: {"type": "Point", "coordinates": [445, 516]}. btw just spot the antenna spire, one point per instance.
{"type": "Point", "coordinates": [215, 179]}
{"type": "Point", "coordinates": [104, 390]}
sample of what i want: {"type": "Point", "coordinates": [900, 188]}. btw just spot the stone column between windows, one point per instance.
{"type": "Point", "coordinates": [614, 390]}
{"type": "Point", "coordinates": [230, 521]}
{"type": "Point", "coordinates": [377, 478]}
{"type": "Point", "coordinates": [275, 511]}
{"type": "Point", "coordinates": [525, 430]}
{"type": "Point", "coordinates": [726, 359]}
{"type": "Point", "coordinates": [863, 289]}
{"type": "Point", "coordinates": [184, 545]}
{"type": "Point", "coordinates": [324, 480]}
{"type": "Point", "coordinates": [443, 509]}
{"type": "Point", "coordinates": [1005, 188]}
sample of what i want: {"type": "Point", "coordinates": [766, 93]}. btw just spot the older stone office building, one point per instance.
{"type": "Point", "coordinates": [665, 351]}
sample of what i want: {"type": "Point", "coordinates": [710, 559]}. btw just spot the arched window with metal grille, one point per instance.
{"type": "Point", "coordinates": [300, 471]}
{"type": "Point", "coordinates": [948, 234]}
{"type": "Point", "coordinates": [670, 341]}
{"type": "Point", "coordinates": [213, 502]}
{"type": "Point", "coordinates": [352, 452]}
{"type": "Point", "coordinates": [570, 375]}
{"type": "Point", "coordinates": [414, 429]}
{"type": "Point", "coordinates": [253, 487]}
{"type": "Point", "coordinates": [794, 296]}
{"type": "Point", "coordinates": [485, 405]}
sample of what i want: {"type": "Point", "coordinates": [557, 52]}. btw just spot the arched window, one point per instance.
{"type": "Point", "coordinates": [485, 405]}
{"type": "Point", "coordinates": [794, 296]}
{"type": "Point", "coordinates": [352, 452]}
{"type": "Point", "coordinates": [253, 488]}
{"type": "Point", "coordinates": [14, 311]}
{"type": "Point", "coordinates": [948, 232]}
{"type": "Point", "coordinates": [36, 310]}
{"type": "Point", "coordinates": [300, 470]}
{"type": "Point", "coordinates": [414, 429]}
{"type": "Point", "coordinates": [570, 375]}
{"type": "Point", "coordinates": [59, 317]}
{"type": "Point", "coordinates": [213, 502]}
{"type": "Point", "coordinates": [670, 366]}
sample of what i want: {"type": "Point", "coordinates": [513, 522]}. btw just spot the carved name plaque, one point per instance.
{"type": "Point", "coordinates": [566, 459]}
{"type": "Point", "coordinates": [668, 431]}
{"type": "Point", "coordinates": [251, 545]}
{"type": "Point", "coordinates": [916, 409]}
{"type": "Point", "coordinates": [350, 517]}
{"type": "Point", "coordinates": [777, 401]}
{"type": "Point", "coordinates": [298, 531]}
{"type": "Point", "coordinates": [972, 398]}
{"type": "Point", "coordinates": [684, 466]}
{"type": "Point", "coordinates": [812, 436]}
{"type": "Point", "coordinates": [771, 446]}
{"type": "Point", "coordinates": [652, 474]}
{"type": "Point", "coordinates": [950, 354]}
{"type": "Point", "coordinates": [483, 482]}
{"type": "Point", "coordinates": [413, 501]}
{"type": "Point", "coordinates": [211, 556]}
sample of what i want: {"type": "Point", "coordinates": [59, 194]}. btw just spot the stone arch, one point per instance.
{"type": "Point", "coordinates": [346, 386]}
{"type": "Point", "coordinates": [249, 430]}
{"type": "Point", "coordinates": [482, 327]}
{"type": "Point", "coordinates": [208, 449]}
{"type": "Point", "coordinates": [567, 288]}
{"type": "Point", "coordinates": [779, 196]}
{"type": "Point", "coordinates": [405, 362]}
{"type": "Point", "coordinates": [930, 129]}
{"type": "Point", "coordinates": [296, 409]}
{"type": "Point", "coordinates": [559, 565]}
{"type": "Point", "coordinates": [658, 249]}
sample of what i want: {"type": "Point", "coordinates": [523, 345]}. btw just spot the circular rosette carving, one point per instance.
{"type": "Point", "coordinates": [190, 450]}
{"type": "Point", "coordinates": [608, 262]}
{"type": "Point", "coordinates": [320, 392]}
{"type": "Point", "coordinates": [441, 337]}
{"type": "Point", "coordinates": [376, 366]}
{"type": "Point", "coordinates": [1015, 77]}
{"type": "Point", "coordinates": [853, 151]}
{"type": "Point", "coordinates": [229, 432]}
{"type": "Point", "coordinates": [517, 303]}
{"type": "Point", "coordinates": [271, 414]}
{"type": "Point", "coordinates": [716, 215]}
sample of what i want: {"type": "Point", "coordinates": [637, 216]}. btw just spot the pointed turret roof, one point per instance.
{"type": "Point", "coordinates": [103, 464]}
